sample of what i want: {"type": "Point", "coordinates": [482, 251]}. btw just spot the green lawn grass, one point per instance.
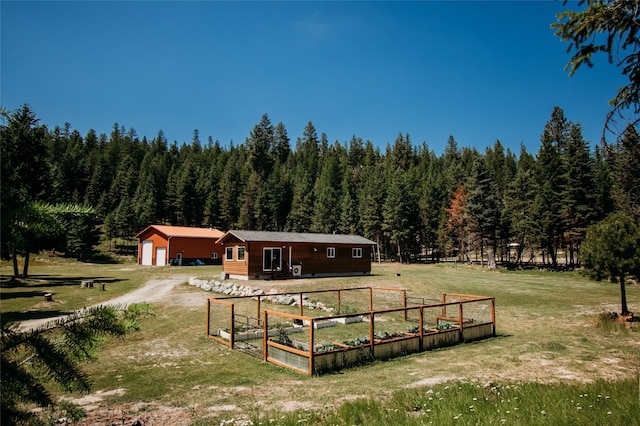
{"type": "Point", "coordinates": [551, 348]}
{"type": "Point", "coordinates": [465, 403]}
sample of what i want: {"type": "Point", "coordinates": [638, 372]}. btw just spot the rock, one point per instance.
{"type": "Point", "coordinates": [199, 283]}
{"type": "Point", "coordinates": [287, 300]}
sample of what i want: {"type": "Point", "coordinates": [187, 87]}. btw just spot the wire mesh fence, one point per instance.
{"type": "Point", "coordinates": [320, 331]}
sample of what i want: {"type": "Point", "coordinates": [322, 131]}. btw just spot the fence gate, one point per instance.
{"type": "Point", "coordinates": [248, 335]}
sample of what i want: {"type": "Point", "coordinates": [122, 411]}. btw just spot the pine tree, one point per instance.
{"type": "Point", "coordinates": [401, 154]}
{"type": "Point", "coordinates": [452, 166]}
{"type": "Point", "coordinates": [308, 152]}
{"type": "Point", "coordinates": [603, 204]}
{"type": "Point", "coordinates": [24, 170]}
{"type": "Point", "coordinates": [170, 202]}
{"type": "Point", "coordinates": [147, 201]}
{"type": "Point", "coordinates": [279, 196]}
{"type": "Point", "coordinates": [259, 145]}
{"type": "Point", "coordinates": [612, 250]}
{"type": "Point", "coordinates": [30, 227]}
{"type": "Point", "coordinates": [82, 236]}
{"type": "Point", "coordinates": [123, 218]}
{"type": "Point", "coordinates": [502, 169]}
{"type": "Point", "coordinates": [327, 196]}
{"type": "Point", "coordinates": [33, 361]}
{"type": "Point", "coordinates": [624, 157]}
{"type": "Point", "coordinates": [306, 161]}
{"type": "Point", "coordinates": [230, 190]}
{"type": "Point", "coordinates": [482, 207]}
{"type": "Point", "coordinates": [97, 194]}
{"type": "Point", "coordinates": [371, 200]}
{"type": "Point", "coordinates": [299, 218]}
{"type": "Point", "coordinates": [578, 208]}
{"type": "Point", "coordinates": [611, 27]}
{"type": "Point", "coordinates": [252, 213]}
{"type": "Point", "coordinates": [150, 193]}
{"type": "Point", "coordinates": [189, 204]}
{"type": "Point", "coordinates": [211, 184]}
{"type": "Point", "coordinates": [458, 222]}
{"type": "Point", "coordinates": [547, 207]}
{"type": "Point", "coordinates": [432, 198]}
{"type": "Point", "coordinates": [519, 199]}
{"type": "Point", "coordinates": [349, 213]}
{"type": "Point", "coordinates": [281, 148]}
{"type": "Point", "coordinates": [400, 214]}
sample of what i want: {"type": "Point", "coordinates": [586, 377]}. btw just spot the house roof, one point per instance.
{"type": "Point", "coordinates": [184, 231]}
{"type": "Point", "coordinates": [295, 237]}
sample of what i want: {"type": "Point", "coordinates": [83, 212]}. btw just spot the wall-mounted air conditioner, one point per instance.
{"type": "Point", "coordinates": [296, 271]}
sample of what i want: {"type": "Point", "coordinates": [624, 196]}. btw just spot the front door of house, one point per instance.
{"type": "Point", "coordinates": [272, 258]}
{"type": "Point", "coordinates": [179, 259]}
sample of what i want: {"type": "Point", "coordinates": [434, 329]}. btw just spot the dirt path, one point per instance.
{"type": "Point", "coordinates": [152, 291]}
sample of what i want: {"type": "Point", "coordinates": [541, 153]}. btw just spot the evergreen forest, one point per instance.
{"type": "Point", "coordinates": [464, 204]}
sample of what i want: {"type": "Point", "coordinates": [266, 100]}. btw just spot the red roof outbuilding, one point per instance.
{"type": "Point", "coordinates": [161, 245]}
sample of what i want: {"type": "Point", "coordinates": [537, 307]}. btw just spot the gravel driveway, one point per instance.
{"type": "Point", "coordinates": [152, 291]}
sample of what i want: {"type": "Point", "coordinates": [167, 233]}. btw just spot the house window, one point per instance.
{"type": "Point", "coordinates": [271, 259]}
{"type": "Point", "coordinates": [356, 252]}
{"type": "Point", "coordinates": [331, 252]}
{"type": "Point", "coordinates": [229, 253]}
{"type": "Point", "coordinates": [241, 251]}
{"type": "Point", "coordinates": [214, 255]}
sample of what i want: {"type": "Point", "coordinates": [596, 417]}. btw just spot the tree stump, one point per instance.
{"type": "Point", "coordinates": [48, 297]}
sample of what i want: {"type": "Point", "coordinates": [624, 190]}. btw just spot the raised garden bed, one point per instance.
{"type": "Point", "coordinates": [320, 324]}
{"type": "Point", "coordinates": [349, 320]}
{"type": "Point", "coordinates": [256, 333]}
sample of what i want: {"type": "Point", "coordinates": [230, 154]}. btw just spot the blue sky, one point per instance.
{"type": "Point", "coordinates": [480, 71]}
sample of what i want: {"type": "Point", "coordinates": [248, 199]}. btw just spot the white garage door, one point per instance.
{"type": "Point", "coordinates": [147, 252]}
{"type": "Point", "coordinates": [161, 256]}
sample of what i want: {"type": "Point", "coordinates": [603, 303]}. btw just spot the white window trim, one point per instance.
{"type": "Point", "coordinates": [226, 256]}
{"type": "Point", "coordinates": [214, 255]}
{"type": "Point", "coordinates": [331, 252]}
{"type": "Point", "coordinates": [356, 252]}
{"type": "Point", "coordinates": [264, 249]}
{"type": "Point", "coordinates": [244, 253]}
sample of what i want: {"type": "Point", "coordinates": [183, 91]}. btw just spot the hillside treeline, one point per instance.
{"type": "Point", "coordinates": [415, 204]}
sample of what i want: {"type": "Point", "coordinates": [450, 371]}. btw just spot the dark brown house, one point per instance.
{"type": "Point", "coordinates": [282, 255]}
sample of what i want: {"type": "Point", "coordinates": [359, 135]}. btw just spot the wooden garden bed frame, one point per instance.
{"type": "Point", "coordinates": [307, 359]}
